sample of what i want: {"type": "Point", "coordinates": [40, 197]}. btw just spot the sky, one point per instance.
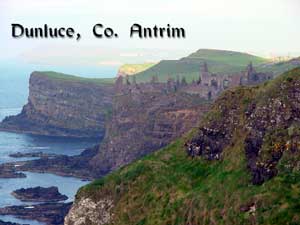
{"type": "Point", "coordinates": [260, 27]}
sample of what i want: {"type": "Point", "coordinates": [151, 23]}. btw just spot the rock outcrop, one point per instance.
{"type": "Point", "coordinates": [81, 213]}
{"type": "Point", "coordinates": [10, 172]}
{"type": "Point", "coordinates": [19, 155]}
{"type": "Point", "coordinates": [266, 119]}
{"type": "Point", "coordinates": [62, 105]}
{"type": "Point", "coordinates": [62, 165]}
{"type": "Point", "coordinates": [39, 194]}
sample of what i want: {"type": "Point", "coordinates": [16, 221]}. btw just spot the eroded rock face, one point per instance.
{"type": "Point", "coordinates": [146, 117]}
{"type": "Point", "coordinates": [266, 119]}
{"type": "Point", "coordinates": [268, 128]}
{"type": "Point", "coordinates": [62, 107]}
{"type": "Point", "coordinates": [216, 134]}
{"type": "Point", "coordinates": [86, 211]}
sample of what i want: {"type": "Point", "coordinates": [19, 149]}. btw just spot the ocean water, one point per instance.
{"type": "Point", "coordinates": [14, 80]}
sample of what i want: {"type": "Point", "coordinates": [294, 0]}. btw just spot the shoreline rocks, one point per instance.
{"type": "Point", "coordinates": [68, 166]}
{"type": "Point", "coordinates": [61, 165]}
{"type": "Point", "coordinates": [48, 213]}
{"type": "Point", "coordinates": [8, 172]}
{"type": "Point", "coordinates": [9, 223]}
{"type": "Point", "coordinates": [31, 155]}
{"type": "Point", "coordinates": [39, 194]}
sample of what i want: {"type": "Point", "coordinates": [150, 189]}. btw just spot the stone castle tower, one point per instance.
{"type": "Point", "coordinates": [250, 72]}
{"type": "Point", "coordinates": [205, 75]}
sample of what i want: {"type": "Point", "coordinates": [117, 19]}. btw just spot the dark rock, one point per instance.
{"type": "Point", "coordinates": [75, 166]}
{"type": "Point", "coordinates": [31, 155]}
{"type": "Point", "coordinates": [10, 172]}
{"type": "Point", "coordinates": [39, 194]}
{"type": "Point", "coordinates": [48, 213]}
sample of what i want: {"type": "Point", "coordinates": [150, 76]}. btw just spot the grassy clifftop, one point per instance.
{"type": "Point", "coordinates": [227, 57]}
{"type": "Point", "coordinates": [67, 77]}
{"type": "Point", "coordinates": [170, 187]}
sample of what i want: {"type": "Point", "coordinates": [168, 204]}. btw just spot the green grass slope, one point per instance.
{"type": "Point", "coordinates": [219, 61]}
{"type": "Point", "coordinates": [169, 187]}
{"type": "Point", "coordinates": [226, 57]}
{"type": "Point", "coordinates": [67, 77]}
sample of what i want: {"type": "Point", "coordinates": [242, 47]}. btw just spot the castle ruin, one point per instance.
{"type": "Point", "coordinates": [208, 86]}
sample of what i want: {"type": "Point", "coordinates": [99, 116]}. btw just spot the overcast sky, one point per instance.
{"type": "Point", "coordinates": [256, 26]}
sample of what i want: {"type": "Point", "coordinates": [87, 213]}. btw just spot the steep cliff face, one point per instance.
{"type": "Point", "coordinates": [240, 166]}
{"type": "Point", "coordinates": [63, 105]}
{"type": "Point", "coordinates": [145, 117]}
{"type": "Point", "coordinates": [266, 119]}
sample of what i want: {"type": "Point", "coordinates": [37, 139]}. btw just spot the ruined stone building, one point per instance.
{"type": "Point", "coordinates": [212, 84]}
{"type": "Point", "coordinates": [208, 86]}
{"type": "Point", "coordinates": [251, 77]}
{"type": "Point", "coordinates": [223, 81]}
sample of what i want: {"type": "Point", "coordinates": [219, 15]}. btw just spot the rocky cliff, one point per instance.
{"type": "Point", "coordinates": [142, 119]}
{"type": "Point", "coordinates": [145, 117]}
{"type": "Point", "coordinates": [63, 105]}
{"type": "Point", "coordinates": [240, 166]}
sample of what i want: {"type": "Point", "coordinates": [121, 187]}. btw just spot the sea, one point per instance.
{"type": "Point", "coordinates": [14, 83]}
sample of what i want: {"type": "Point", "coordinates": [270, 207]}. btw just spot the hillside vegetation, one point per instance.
{"type": "Point", "coordinates": [226, 57]}
{"type": "Point", "coordinates": [218, 61]}
{"type": "Point", "coordinates": [171, 187]}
